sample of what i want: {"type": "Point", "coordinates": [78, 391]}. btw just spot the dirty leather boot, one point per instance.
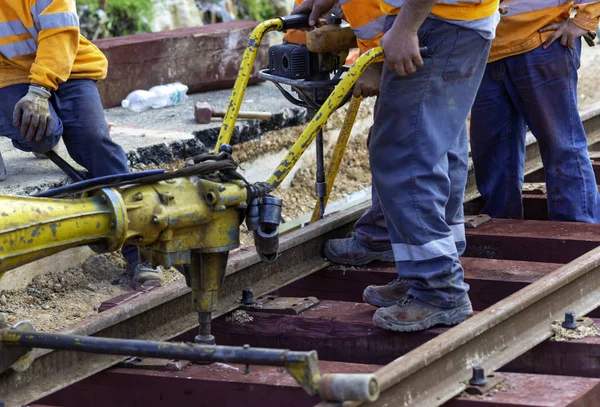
{"type": "Point", "coordinates": [353, 252]}
{"type": "Point", "coordinates": [386, 295]}
{"type": "Point", "coordinates": [144, 275]}
{"type": "Point", "coordinates": [411, 314]}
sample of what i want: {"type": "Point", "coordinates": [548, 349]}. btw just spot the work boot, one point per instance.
{"type": "Point", "coordinates": [386, 295]}
{"type": "Point", "coordinates": [353, 252]}
{"type": "Point", "coordinates": [144, 275]}
{"type": "Point", "coordinates": [411, 314]}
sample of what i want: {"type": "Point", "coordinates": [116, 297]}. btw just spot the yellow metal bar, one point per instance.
{"type": "Point", "coordinates": [239, 88]}
{"type": "Point", "coordinates": [34, 228]}
{"type": "Point", "coordinates": [338, 153]}
{"type": "Point", "coordinates": [332, 103]}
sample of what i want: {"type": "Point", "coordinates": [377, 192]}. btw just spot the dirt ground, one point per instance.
{"type": "Point", "coordinates": [58, 299]}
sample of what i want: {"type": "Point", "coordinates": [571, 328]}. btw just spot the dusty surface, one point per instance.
{"type": "Point", "coordinates": [56, 300]}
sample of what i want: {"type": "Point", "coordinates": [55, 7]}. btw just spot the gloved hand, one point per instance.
{"type": "Point", "coordinates": [567, 31]}
{"type": "Point", "coordinates": [32, 114]}
{"type": "Point", "coordinates": [368, 83]}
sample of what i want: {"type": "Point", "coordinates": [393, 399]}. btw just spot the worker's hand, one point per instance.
{"type": "Point", "coordinates": [32, 114]}
{"type": "Point", "coordinates": [567, 31]}
{"type": "Point", "coordinates": [316, 8]}
{"type": "Point", "coordinates": [402, 50]}
{"type": "Point", "coordinates": [368, 83]}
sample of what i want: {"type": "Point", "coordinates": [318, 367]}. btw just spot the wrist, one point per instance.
{"type": "Point", "coordinates": [40, 90]}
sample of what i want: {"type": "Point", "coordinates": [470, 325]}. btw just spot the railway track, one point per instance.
{"type": "Point", "coordinates": [524, 274]}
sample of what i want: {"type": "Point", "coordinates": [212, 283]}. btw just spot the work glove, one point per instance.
{"type": "Point", "coordinates": [32, 114]}
{"type": "Point", "coordinates": [368, 83]}
{"type": "Point", "coordinates": [567, 32]}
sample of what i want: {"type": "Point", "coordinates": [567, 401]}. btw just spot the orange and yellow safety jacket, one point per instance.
{"type": "Point", "coordinates": [40, 43]}
{"type": "Point", "coordinates": [518, 33]}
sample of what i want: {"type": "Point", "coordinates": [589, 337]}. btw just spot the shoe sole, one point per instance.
{"type": "Point", "coordinates": [449, 317]}
{"type": "Point", "coordinates": [386, 257]}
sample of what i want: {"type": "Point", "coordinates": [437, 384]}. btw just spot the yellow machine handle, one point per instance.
{"type": "Point", "coordinates": [338, 153]}
{"type": "Point", "coordinates": [241, 82]}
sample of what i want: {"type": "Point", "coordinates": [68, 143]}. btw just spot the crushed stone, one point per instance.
{"type": "Point", "coordinates": [59, 298]}
{"type": "Point", "coordinates": [585, 329]}
{"type": "Point", "coordinates": [239, 317]}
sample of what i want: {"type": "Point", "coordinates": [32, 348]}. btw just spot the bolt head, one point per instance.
{"type": "Point", "coordinates": [570, 321]}
{"type": "Point", "coordinates": [247, 296]}
{"type": "Point", "coordinates": [478, 378]}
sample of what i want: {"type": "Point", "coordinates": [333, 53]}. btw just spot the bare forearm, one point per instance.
{"type": "Point", "coordinates": [412, 15]}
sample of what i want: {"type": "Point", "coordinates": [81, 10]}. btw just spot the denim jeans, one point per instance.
{"type": "Point", "coordinates": [419, 153]}
{"type": "Point", "coordinates": [537, 89]}
{"type": "Point", "coordinates": [78, 117]}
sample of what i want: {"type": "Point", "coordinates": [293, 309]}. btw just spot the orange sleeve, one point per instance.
{"type": "Point", "coordinates": [588, 15]}
{"type": "Point", "coordinates": [58, 42]}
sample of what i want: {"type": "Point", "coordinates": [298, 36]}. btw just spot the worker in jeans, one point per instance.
{"type": "Point", "coordinates": [47, 91]}
{"type": "Point", "coordinates": [531, 82]}
{"type": "Point", "coordinates": [418, 150]}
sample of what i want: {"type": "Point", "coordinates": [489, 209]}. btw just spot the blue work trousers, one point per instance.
{"type": "Point", "coordinates": [537, 89]}
{"type": "Point", "coordinates": [419, 154]}
{"type": "Point", "coordinates": [78, 117]}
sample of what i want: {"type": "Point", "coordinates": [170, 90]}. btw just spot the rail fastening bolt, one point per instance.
{"type": "Point", "coordinates": [247, 296]}
{"type": "Point", "coordinates": [570, 321]}
{"type": "Point", "coordinates": [478, 378]}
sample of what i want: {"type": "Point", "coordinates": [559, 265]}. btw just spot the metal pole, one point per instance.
{"type": "Point", "coordinates": [154, 349]}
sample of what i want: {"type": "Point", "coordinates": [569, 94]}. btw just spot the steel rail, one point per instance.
{"type": "Point", "coordinates": [166, 312]}
{"type": "Point", "coordinates": [438, 370]}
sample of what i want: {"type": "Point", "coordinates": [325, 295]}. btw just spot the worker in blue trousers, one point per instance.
{"type": "Point", "coordinates": [419, 150]}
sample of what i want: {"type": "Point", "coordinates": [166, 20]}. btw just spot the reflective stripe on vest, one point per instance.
{"type": "Point", "coordinates": [19, 48]}
{"type": "Point", "coordinates": [370, 30]}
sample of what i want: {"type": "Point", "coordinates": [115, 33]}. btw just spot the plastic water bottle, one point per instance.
{"type": "Point", "coordinates": [169, 95]}
{"type": "Point", "coordinates": [138, 100]}
{"type": "Point", "coordinates": [157, 97]}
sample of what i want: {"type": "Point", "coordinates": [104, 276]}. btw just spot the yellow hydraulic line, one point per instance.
{"type": "Point", "coordinates": [332, 103]}
{"type": "Point", "coordinates": [239, 88]}
{"type": "Point", "coordinates": [338, 153]}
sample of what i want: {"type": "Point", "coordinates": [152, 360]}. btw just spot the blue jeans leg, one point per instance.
{"type": "Point", "coordinates": [419, 128]}
{"type": "Point", "coordinates": [86, 134]}
{"type": "Point", "coordinates": [498, 145]}
{"type": "Point", "coordinates": [540, 89]}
